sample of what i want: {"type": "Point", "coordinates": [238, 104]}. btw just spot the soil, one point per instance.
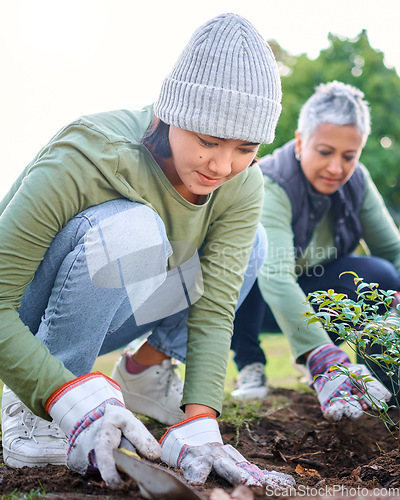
{"type": "Point", "coordinates": [328, 459]}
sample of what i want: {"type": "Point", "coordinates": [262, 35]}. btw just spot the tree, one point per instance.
{"type": "Point", "coordinates": [351, 61]}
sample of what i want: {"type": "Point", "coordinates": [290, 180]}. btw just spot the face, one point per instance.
{"type": "Point", "coordinates": [200, 163]}
{"type": "Point", "coordinates": [330, 155]}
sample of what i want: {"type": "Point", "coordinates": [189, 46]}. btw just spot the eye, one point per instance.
{"type": "Point", "coordinates": [349, 158]}
{"type": "Point", "coordinates": [207, 144]}
{"type": "Point", "coordinates": [248, 151]}
{"type": "Point", "coordinates": [324, 153]}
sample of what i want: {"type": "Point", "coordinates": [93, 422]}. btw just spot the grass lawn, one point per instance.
{"type": "Point", "coordinates": [279, 369]}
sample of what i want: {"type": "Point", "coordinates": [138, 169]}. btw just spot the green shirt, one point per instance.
{"type": "Point", "coordinates": [278, 278]}
{"type": "Point", "coordinates": [100, 158]}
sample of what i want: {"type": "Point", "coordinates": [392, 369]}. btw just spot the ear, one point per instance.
{"type": "Point", "coordinates": [297, 144]}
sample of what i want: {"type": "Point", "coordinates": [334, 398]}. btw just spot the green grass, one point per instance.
{"type": "Point", "coordinates": [280, 371]}
{"type": "Point", "coordinates": [18, 495]}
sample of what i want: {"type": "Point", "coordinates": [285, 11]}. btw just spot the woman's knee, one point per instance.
{"type": "Point", "coordinates": [371, 269]}
{"type": "Point", "coordinates": [125, 243]}
{"type": "Point", "coordinates": [377, 270]}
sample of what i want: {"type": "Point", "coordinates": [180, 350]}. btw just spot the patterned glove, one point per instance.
{"type": "Point", "coordinates": [92, 406]}
{"type": "Point", "coordinates": [195, 446]}
{"type": "Point", "coordinates": [329, 384]}
{"type": "Point", "coordinates": [395, 302]}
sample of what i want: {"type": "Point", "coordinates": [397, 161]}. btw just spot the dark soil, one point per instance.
{"type": "Point", "coordinates": [328, 459]}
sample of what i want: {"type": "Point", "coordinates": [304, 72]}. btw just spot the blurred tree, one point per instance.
{"type": "Point", "coordinates": [352, 61]}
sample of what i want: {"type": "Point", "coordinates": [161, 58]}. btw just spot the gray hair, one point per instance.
{"type": "Point", "coordinates": [337, 103]}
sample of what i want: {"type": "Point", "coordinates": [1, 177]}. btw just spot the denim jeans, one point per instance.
{"type": "Point", "coordinates": [102, 266]}
{"type": "Point", "coordinates": [254, 316]}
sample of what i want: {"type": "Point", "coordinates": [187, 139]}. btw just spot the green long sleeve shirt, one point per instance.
{"type": "Point", "coordinates": [100, 158]}
{"type": "Point", "coordinates": [278, 278]}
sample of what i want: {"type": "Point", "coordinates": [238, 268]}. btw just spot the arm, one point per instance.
{"type": "Point", "coordinates": [224, 260]}
{"type": "Point", "coordinates": [280, 289]}
{"type": "Point", "coordinates": [58, 185]}
{"type": "Point", "coordinates": [379, 230]}
{"type": "Point", "coordinates": [195, 445]}
{"type": "Point", "coordinates": [278, 279]}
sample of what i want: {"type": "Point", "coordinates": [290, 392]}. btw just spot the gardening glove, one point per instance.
{"type": "Point", "coordinates": [91, 411]}
{"type": "Point", "coordinates": [324, 364]}
{"type": "Point", "coordinates": [395, 303]}
{"type": "Point", "coordinates": [195, 447]}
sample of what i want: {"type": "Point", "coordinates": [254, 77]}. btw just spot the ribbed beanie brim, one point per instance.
{"type": "Point", "coordinates": [225, 84]}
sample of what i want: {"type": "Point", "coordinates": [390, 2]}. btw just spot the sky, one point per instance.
{"type": "Point", "coordinates": [61, 59]}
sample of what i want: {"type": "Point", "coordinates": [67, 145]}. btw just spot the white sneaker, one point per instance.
{"type": "Point", "coordinates": [251, 383]}
{"type": "Point", "coordinates": [155, 392]}
{"type": "Point", "coordinates": [27, 439]}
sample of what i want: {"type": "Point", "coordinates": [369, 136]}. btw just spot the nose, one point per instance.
{"type": "Point", "coordinates": [220, 165]}
{"type": "Point", "coordinates": [335, 166]}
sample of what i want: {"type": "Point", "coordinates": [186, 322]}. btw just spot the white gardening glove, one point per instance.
{"type": "Point", "coordinates": [195, 447]}
{"type": "Point", "coordinates": [329, 384]}
{"type": "Point", "coordinates": [91, 411]}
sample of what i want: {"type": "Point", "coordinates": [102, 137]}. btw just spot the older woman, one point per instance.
{"type": "Point", "coordinates": [319, 203]}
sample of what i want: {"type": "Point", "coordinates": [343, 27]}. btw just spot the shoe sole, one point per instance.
{"type": "Point", "coordinates": [16, 460]}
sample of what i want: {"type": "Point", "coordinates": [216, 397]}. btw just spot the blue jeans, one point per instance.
{"type": "Point", "coordinates": [255, 316]}
{"type": "Point", "coordinates": [101, 268]}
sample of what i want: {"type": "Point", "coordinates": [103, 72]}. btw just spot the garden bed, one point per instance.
{"type": "Point", "coordinates": [287, 433]}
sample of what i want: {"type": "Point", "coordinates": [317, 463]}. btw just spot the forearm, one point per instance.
{"type": "Point", "coordinates": [287, 302]}
{"type": "Point", "coordinates": [210, 323]}
{"type": "Point", "coordinates": [206, 362]}
{"type": "Point", "coordinates": [379, 230]}
{"type": "Point", "coordinates": [31, 372]}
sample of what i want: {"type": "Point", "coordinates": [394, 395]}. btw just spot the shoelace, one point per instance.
{"type": "Point", "coordinates": [34, 425]}
{"type": "Point", "coordinates": [252, 376]}
{"type": "Point", "coordinates": [171, 378]}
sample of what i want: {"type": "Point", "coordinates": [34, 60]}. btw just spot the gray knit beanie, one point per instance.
{"type": "Point", "coordinates": [225, 84]}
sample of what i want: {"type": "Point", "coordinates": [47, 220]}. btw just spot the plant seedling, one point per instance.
{"type": "Point", "coordinates": [372, 319]}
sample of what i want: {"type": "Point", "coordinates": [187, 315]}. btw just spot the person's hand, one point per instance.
{"type": "Point", "coordinates": [195, 447]}
{"type": "Point", "coordinates": [91, 411]}
{"type": "Point", "coordinates": [339, 394]}
{"type": "Point", "coordinates": [395, 303]}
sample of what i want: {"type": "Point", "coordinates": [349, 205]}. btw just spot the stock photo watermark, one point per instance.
{"type": "Point", "coordinates": [332, 491]}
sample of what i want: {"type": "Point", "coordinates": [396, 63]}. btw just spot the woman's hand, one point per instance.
{"type": "Point", "coordinates": [339, 394]}
{"type": "Point", "coordinates": [91, 411]}
{"type": "Point", "coordinates": [195, 447]}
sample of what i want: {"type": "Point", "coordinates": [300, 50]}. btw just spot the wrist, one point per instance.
{"type": "Point", "coordinates": [72, 401]}
{"type": "Point", "coordinates": [194, 431]}
{"type": "Point", "coordinates": [321, 359]}
{"type": "Point", "coordinates": [194, 410]}
{"type": "Point", "coordinates": [318, 349]}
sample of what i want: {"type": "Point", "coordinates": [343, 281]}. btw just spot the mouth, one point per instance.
{"type": "Point", "coordinates": [207, 181]}
{"type": "Point", "coordinates": [330, 180]}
